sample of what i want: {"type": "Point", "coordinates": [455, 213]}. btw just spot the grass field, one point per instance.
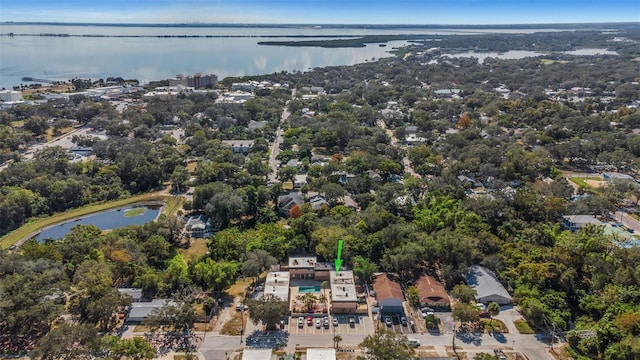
{"type": "Point", "coordinates": [523, 327]}
{"type": "Point", "coordinates": [583, 181]}
{"type": "Point", "coordinates": [135, 212]}
{"type": "Point", "coordinates": [30, 228]}
{"type": "Point", "coordinates": [494, 325]}
{"type": "Point", "coordinates": [172, 205]}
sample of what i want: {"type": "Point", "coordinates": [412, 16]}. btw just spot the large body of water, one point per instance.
{"type": "Point", "coordinates": [107, 220]}
{"type": "Point", "coordinates": [153, 58]}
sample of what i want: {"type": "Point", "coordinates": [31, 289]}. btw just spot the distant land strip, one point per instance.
{"type": "Point", "coordinates": [353, 42]}
{"type": "Point", "coordinates": [176, 36]}
{"type": "Point", "coordinates": [334, 41]}
{"type": "Point", "coordinates": [588, 25]}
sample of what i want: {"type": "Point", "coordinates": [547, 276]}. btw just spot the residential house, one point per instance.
{"type": "Point", "coordinates": [239, 146]}
{"type": "Point", "coordinates": [432, 293]}
{"type": "Point", "coordinates": [300, 180]}
{"type": "Point", "coordinates": [469, 182]}
{"type": "Point", "coordinates": [374, 176]}
{"type": "Point", "coordinates": [256, 125]}
{"type": "Point", "coordinates": [277, 284]}
{"type": "Point", "coordinates": [487, 286]}
{"type": "Point", "coordinates": [134, 293]}
{"type": "Point", "coordinates": [388, 294]}
{"type": "Point", "coordinates": [302, 267]}
{"type": "Point", "coordinates": [344, 299]}
{"type": "Point", "coordinates": [288, 201]}
{"type": "Point", "coordinates": [448, 93]}
{"type": "Point", "coordinates": [610, 176]}
{"type": "Point", "coordinates": [318, 202]}
{"type": "Point", "coordinates": [198, 226]}
{"type": "Point", "coordinates": [577, 222]}
{"type": "Point", "coordinates": [140, 310]}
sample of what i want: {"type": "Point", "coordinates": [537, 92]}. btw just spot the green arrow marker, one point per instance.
{"type": "Point", "coordinates": [338, 261]}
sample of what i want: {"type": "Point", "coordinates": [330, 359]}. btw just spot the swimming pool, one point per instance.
{"type": "Point", "coordinates": [308, 289]}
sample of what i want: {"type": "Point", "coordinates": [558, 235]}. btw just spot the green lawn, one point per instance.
{"type": "Point", "coordinates": [494, 325]}
{"type": "Point", "coordinates": [30, 228]}
{"type": "Point", "coordinates": [523, 327]}
{"type": "Point", "coordinates": [582, 181]}
{"type": "Point", "coordinates": [135, 212]}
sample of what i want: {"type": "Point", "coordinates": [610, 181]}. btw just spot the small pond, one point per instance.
{"type": "Point", "coordinates": [112, 219]}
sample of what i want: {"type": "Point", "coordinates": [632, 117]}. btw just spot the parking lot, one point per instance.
{"type": "Point", "coordinates": [395, 325]}
{"type": "Point", "coordinates": [362, 325]}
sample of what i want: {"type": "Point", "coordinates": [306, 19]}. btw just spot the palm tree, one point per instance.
{"type": "Point", "coordinates": [493, 309]}
{"type": "Point", "coordinates": [323, 300]}
{"type": "Point", "coordinates": [336, 340]}
{"type": "Point", "coordinates": [308, 299]}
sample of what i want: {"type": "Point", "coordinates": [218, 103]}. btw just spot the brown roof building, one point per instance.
{"type": "Point", "coordinates": [388, 294]}
{"type": "Point", "coordinates": [432, 292]}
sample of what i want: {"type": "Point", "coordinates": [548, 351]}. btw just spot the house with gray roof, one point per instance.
{"type": "Point", "coordinates": [577, 222]}
{"type": "Point", "coordinates": [288, 201]}
{"type": "Point", "coordinates": [140, 310]}
{"type": "Point", "coordinates": [487, 286]}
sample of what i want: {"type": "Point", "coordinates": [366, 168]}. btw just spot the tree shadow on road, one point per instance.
{"type": "Point", "coordinates": [500, 337]}
{"type": "Point", "coordinates": [469, 338]}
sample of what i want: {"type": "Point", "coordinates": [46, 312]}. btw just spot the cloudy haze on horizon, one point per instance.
{"type": "Point", "coordinates": [323, 12]}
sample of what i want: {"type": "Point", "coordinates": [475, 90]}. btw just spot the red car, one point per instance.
{"type": "Point", "coordinates": [309, 320]}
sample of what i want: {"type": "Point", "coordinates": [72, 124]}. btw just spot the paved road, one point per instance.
{"type": "Point", "coordinates": [628, 221]}
{"type": "Point", "coordinates": [394, 141]}
{"type": "Point", "coordinates": [275, 146]}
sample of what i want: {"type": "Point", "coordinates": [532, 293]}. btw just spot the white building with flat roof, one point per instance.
{"type": "Point", "coordinates": [302, 267]}
{"type": "Point", "coordinates": [257, 354]}
{"type": "Point", "coordinates": [277, 284]}
{"type": "Point", "coordinates": [10, 95]}
{"type": "Point", "coordinates": [321, 354]}
{"type": "Point", "coordinates": [343, 292]}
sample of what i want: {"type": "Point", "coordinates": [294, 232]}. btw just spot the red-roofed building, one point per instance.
{"type": "Point", "coordinates": [432, 292]}
{"type": "Point", "coordinates": [388, 294]}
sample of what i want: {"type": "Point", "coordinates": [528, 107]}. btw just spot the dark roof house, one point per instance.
{"type": "Point", "coordinates": [288, 201]}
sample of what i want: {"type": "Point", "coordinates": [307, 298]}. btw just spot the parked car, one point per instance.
{"type": "Point", "coordinates": [352, 322]}
{"type": "Point", "coordinates": [300, 322]}
{"type": "Point", "coordinates": [325, 322]}
{"type": "Point", "coordinates": [309, 320]}
{"type": "Point", "coordinates": [318, 324]}
{"type": "Point", "coordinates": [403, 321]}
{"type": "Point", "coordinates": [387, 321]}
{"type": "Point", "coordinates": [414, 342]}
{"type": "Point", "coordinates": [241, 307]}
{"type": "Point", "coordinates": [425, 314]}
{"type": "Point", "coordinates": [427, 309]}
{"type": "Point", "coordinates": [335, 321]}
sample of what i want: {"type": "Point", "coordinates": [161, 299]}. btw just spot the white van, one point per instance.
{"type": "Point", "coordinates": [414, 342]}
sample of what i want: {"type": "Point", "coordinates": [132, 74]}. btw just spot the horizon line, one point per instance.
{"type": "Point", "coordinates": [202, 24]}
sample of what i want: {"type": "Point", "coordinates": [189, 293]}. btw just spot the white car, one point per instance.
{"type": "Point", "coordinates": [425, 314]}
{"type": "Point", "coordinates": [318, 324]}
{"type": "Point", "coordinates": [414, 342]}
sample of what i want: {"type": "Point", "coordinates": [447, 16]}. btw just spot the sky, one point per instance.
{"type": "Point", "coordinates": [471, 12]}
